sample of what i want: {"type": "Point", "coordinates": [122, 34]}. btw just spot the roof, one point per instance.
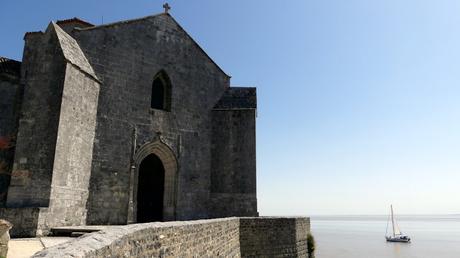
{"type": "Point", "coordinates": [10, 66]}
{"type": "Point", "coordinates": [199, 47]}
{"type": "Point", "coordinates": [238, 98]}
{"type": "Point", "coordinates": [74, 20]}
{"type": "Point", "coordinates": [149, 17]}
{"type": "Point", "coordinates": [33, 33]}
{"type": "Point", "coordinates": [72, 51]}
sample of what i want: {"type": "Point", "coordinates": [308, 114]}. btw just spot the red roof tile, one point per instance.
{"type": "Point", "coordinates": [74, 20]}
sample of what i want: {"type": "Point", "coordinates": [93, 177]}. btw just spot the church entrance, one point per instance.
{"type": "Point", "coordinates": [150, 190]}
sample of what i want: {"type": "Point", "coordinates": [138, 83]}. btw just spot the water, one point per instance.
{"type": "Point", "coordinates": [363, 237]}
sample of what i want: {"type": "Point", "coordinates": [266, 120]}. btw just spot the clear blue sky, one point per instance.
{"type": "Point", "coordinates": [359, 101]}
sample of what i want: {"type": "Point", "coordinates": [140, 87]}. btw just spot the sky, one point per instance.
{"type": "Point", "coordinates": [358, 100]}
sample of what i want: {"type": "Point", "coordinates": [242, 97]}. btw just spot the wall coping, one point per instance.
{"type": "Point", "coordinates": [88, 244]}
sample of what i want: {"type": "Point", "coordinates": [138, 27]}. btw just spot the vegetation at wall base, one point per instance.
{"type": "Point", "coordinates": [311, 246]}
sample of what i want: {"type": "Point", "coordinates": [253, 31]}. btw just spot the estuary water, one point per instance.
{"type": "Point", "coordinates": [434, 236]}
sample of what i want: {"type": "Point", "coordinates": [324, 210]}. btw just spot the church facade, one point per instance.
{"type": "Point", "coordinates": [122, 123]}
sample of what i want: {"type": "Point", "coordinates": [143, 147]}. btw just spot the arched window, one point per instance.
{"type": "Point", "coordinates": [161, 92]}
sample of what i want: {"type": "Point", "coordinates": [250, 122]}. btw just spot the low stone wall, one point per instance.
{"type": "Point", "coordinates": [204, 238]}
{"type": "Point", "coordinates": [33, 221]}
{"type": "Point", "coordinates": [274, 236]}
{"type": "Point", "coordinates": [226, 237]}
{"type": "Point", "coordinates": [24, 220]}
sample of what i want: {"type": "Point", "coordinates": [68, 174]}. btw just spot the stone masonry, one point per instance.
{"type": "Point", "coordinates": [228, 237]}
{"type": "Point", "coordinates": [88, 109]}
{"type": "Point", "coordinates": [10, 100]}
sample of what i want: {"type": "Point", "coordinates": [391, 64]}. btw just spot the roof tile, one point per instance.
{"type": "Point", "coordinates": [76, 21]}
{"type": "Point", "coordinates": [9, 66]}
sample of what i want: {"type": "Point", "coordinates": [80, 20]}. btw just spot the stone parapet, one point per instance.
{"type": "Point", "coordinates": [274, 236]}
{"type": "Point", "coordinates": [226, 237]}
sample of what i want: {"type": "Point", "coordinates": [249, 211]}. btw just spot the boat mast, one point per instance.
{"type": "Point", "coordinates": [392, 220]}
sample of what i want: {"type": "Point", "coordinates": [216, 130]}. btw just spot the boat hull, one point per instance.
{"type": "Point", "coordinates": [397, 236]}
{"type": "Point", "coordinates": [398, 239]}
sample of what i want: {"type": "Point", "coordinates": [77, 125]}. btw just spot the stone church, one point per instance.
{"type": "Point", "coordinates": [122, 123]}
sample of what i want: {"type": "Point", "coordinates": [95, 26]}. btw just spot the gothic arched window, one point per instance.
{"type": "Point", "coordinates": [161, 92]}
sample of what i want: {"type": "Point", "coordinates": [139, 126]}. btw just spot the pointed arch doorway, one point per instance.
{"type": "Point", "coordinates": [150, 190]}
{"type": "Point", "coordinates": [153, 184]}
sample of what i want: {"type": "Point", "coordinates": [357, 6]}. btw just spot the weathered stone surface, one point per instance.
{"type": "Point", "coordinates": [228, 237]}
{"type": "Point", "coordinates": [10, 102]}
{"type": "Point", "coordinates": [44, 65]}
{"type": "Point", "coordinates": [126, 57]}
{"type": "Point", "coordinates": [54, 147]}
{"type": "Point", "coordinates": [237, 98]}
{"type": "Point", "coordinates": [233, 181]}
{"type": "Point", "coordinates": [5, 226]}
{"type": "Point", "coordinates": [25, 220]}
{"type": "Point", "coordinates": [274, 236]}
{"type": "Point", "coordinates": [72, 52]}
{"type": "Point", "coordinates": [87, 123]}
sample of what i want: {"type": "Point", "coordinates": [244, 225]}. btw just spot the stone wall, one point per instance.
{"type": "Point", "coordinates": [126, 56]}
{"type": "Point", "coordinates": [233, 178]}
{"type": "Point", "coordinates": [10, 100]}
{"type": "Point", "coordinates": [25, 220]}
{"type": "Point", "coordinates": [202, 238]}
{"type": "Point", "coordinates": [227, 237]}
{"type": "Point", "coordinates": [51, 171]}
{"type": "Point", "coordinates": [274, 236]}
{"type": "Point", "coordinates": [43, 70]}
{"type": "Point", "coordinates": [74, 150]}
{"type": "Point", "coordinates": [86, 115]}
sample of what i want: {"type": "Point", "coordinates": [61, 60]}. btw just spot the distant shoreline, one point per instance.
{"type": "Point", "coordinates": [402, 217]}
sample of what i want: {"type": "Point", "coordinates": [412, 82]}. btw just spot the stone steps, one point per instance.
{"type": "Point", "coordinates": [76, 231]}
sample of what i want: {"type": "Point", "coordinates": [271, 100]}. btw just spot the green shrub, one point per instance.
{"type": "Point", "coordinates": [311, 245]}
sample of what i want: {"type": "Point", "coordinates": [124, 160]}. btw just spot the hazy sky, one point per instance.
{"type": "Point", "coordinates": [359, 101]}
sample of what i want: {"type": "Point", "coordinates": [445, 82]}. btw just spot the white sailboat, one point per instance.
{"type": "Point", "coordinates": [397, 236]}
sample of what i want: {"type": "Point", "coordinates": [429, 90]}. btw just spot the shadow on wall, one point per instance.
{"type": "Point", "coordinates": [24, 220]}
{"type": "Point", "coordinates": [7, 144]}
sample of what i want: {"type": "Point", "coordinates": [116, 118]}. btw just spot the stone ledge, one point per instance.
{"type": "Point", "coordinates": [206, 238]}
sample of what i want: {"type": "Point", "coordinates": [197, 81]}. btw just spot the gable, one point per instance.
{"type": "Point", "coordinates": [159, 20]}
{"type": "Point", "coordinates": [71, 50]}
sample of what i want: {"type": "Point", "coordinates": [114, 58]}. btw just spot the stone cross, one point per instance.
{"type": "Point", "coordinates": [166, 7]}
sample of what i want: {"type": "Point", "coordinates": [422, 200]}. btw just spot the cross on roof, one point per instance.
{"type": "Point", "coordinates": [166, 7]}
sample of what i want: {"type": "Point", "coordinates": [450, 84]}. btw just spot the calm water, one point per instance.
{"type": "Point", "coordinates": [363, 237]}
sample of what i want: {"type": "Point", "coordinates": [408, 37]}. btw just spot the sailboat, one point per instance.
{"type": "Point", "coordinates": [397, 236]}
